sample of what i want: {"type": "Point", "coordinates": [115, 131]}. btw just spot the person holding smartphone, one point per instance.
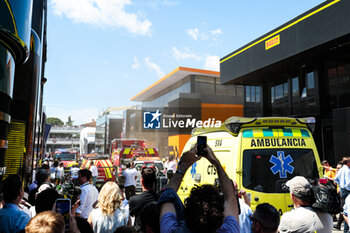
{"type": "Point", "coordinates": [63, 206]}
{"type": "Point", "coordinates": [206, 210]}
{"type": "Point", "coordinates": [52, 221]}
{"type": "Point", "coordinates": [47, 221]}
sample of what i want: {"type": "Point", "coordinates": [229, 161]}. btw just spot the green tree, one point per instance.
{"type": "Point", "coordinates": [54, 121]}
{"type": "Point", "coordinates": [69, 122]}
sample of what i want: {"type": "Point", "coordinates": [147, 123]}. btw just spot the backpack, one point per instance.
{"type": "Point", "coordinates": [326, 198]}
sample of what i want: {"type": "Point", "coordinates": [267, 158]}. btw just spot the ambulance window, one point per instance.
{"type": "Point", "coordinates": [259, 174]}
{"type": "Point", "coordinates": [66, 156]}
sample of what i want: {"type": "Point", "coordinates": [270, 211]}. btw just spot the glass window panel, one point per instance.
{"type": "Point", "coordinates": [344, 85]}
{"type": "Point", "coordinates": [171, 95]}
{"type": "Point", "coordinates": [258, 94]}
{"type": "Point", "coordinates": [225, 90]}
{"type": "Point", "coordinates": [310, 80]}
{"type": "Point", "coordinates": [205, 79]}
{"type": "Point", "coordinates": [204, 87]}
{"type": "Point", "coordinates": [279, 92]}
{"type": "Point", "coordinates": [285, 90]}
{"type": "Point", "coordinates": [332, 84]}
{"type": "Point", "coordinates": [303, 93]}
{"type": "Point", "coordinates": [295, 87]}
{"type": "Point", "coordinates": [239, 90]}
{"type": "Point", "coordinates": [272, 94]}
{"type": "Point", "coordinates": [247, 93]}
{"type": "Point", "coordinates": [252, 94]}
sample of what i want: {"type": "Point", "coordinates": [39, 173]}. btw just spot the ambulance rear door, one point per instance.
{"type": "Point", "coordinates": [273, 156]}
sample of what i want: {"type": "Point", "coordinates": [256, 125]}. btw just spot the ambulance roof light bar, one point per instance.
{"type": "Point", "coordinates": [234, 123]}
{"type": "Point", "coordinates": [309, 121]}
{"type": "Point", "coordinates": [196, 130]}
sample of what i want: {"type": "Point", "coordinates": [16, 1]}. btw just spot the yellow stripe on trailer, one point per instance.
{"type": "Point", "coordinates": [103, 167]}
{"type": "Point", "coordinates": [110, 168]}
{"type": "Point", "coordinates": [127, 151]}
{"type": "Point", "coordinates": [106, 169]}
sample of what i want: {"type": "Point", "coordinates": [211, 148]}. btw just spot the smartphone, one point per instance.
{"type": "Point", "coordinates": [201, 144]}
{"type": "Point", "coordinates": [63, 206]}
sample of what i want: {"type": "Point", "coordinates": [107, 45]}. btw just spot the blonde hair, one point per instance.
{"type": "Point", "coordinates": [109, 198]}
{"type": "Point", "coordinates": [46, 222]}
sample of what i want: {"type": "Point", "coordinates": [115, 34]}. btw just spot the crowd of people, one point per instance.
{"type": "Point", "coordinates": [117, 208]}
{"type": "Point", "coordinates": [340, 176]}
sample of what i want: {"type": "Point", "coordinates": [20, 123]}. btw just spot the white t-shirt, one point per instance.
{"type": "Point", "coordinates": [165, 164]}
{"type": "Point", "coordinates": [88, 197]}
{"type": "Point", "coordinates": [346, 208]}
{"type": "Point", "coordinates": [60, 172]}
{"type": "Point", "coordinates": [93, 170]}
{"type": "Point", "coordinates": [305, 220]}
{"type": "Point", "coordinates": [129, 175]}
{"type": "Point", "coordinates": [172, 165]}
{"type": "Point", "coordinates": [74, 172]}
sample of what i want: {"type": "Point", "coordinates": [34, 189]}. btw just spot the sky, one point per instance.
{"type": "Point", "coordinates": [101, 53]}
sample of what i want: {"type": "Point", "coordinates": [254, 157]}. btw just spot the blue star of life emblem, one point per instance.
{"type": "Point", "coordinates": [281, 164]}
{"type": "Point", "coordinates": [193, 169]}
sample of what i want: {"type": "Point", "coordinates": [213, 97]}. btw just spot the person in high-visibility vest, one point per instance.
{"type": "Point", "coordinates": [329, 172]}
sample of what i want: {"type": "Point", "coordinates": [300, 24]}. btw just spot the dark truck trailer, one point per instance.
{"type": "Point", "coordinates": [22, 60]}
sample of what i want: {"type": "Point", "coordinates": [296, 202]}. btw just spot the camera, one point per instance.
{"type": "Point", "coordinates": [69, 190]}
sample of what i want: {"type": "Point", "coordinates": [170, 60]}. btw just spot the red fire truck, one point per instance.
{"type": "Point", "coordinates": [124, 151]}
{"type": "Point", "coordinates": [104, 168]}
{"type": "Point", "coordinates": [68, 158]}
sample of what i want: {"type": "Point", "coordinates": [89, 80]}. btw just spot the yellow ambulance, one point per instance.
{"type": "Point", "coordinates": [260, 154]}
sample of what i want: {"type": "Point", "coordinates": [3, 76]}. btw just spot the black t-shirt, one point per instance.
{"type": "Point", "coordinates": [136, 204]}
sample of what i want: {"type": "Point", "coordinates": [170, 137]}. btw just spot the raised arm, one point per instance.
{"type": "Point", "coordinates": [231, 204]}
{"type": "Point", "coordinates": [187, 159]}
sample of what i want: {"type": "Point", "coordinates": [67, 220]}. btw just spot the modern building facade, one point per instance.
{"type": "Point", "coordinates": [63, 137]}
{"type": "Point", "coordinates": [108, 127]}
{"type": "Point", "coordinates": [187, 92]}
{"type": "Point", "coordinates": [87, 138]}
{"type": "Point", "coordinates": [301, 68]}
